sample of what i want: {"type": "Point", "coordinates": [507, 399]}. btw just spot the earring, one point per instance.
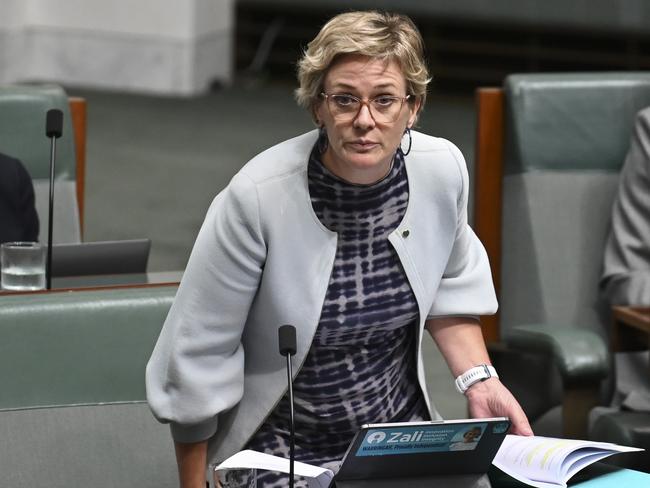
{"type": "Point", "coordinates": [408, 133]}
{"type": "Point", "coordinates": [322, 139]}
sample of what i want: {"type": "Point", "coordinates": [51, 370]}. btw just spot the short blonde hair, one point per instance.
{"type": "Point", "coordinates": [374, 34]}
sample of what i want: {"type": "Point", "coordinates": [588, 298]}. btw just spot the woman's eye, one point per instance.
{"type": "Point", "coordinates": [344, 100]}
{"type": "Point", "coordinates": [384, 101]}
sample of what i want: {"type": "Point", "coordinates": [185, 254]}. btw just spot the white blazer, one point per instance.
{"type": "Point", "coordinates": [262, 259]}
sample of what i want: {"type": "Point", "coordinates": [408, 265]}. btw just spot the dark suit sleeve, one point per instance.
{"type": "Point", "coordinates": [26, 208]}
{"type": "Point", "coordinates": [18, 217]}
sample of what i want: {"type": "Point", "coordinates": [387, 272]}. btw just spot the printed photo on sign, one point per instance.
{"type": "Point", "coordinates": [467, 439]}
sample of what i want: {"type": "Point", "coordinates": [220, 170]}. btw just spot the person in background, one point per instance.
{"type": "Point", "coordinates": [626, 263]}
{"type": "Point", "coordinates": [18, 217]}
{"type": "Point", "coordinates": [357, 234]}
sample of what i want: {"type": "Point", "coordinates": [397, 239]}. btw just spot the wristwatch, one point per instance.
{"type": "Point", "coordinates": [478, 373]}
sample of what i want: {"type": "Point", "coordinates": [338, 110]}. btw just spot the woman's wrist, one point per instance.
{"type": "Point", "coordinates": [481, 388]}
{"type": "Point", "coordinates": [192, 460]}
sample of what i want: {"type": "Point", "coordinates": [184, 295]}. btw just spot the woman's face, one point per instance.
{"type": "Point", "coordinates": [472, 435]}
{"type": "Point", "coordinates": [361, 149]}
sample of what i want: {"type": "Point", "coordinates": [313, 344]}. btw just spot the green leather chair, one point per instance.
{"type": "Point", "coordinates": [22, 135]}
{"type": "Point", "coordinates": [72, 408]}
{"type": "Point", "coordinates": [545, 188]}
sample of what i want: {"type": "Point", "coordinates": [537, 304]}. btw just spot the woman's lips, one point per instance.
{"type": "Point", "coordinates": [363, 145]}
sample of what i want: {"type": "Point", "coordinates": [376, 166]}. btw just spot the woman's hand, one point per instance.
{"type": "Point", "coordinates": [490, 398]}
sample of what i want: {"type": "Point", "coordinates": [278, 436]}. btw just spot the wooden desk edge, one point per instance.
{"type": "Point", "coordinates": [89, 288]}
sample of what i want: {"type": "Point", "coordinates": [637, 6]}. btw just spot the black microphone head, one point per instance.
{"type": "Point", "coordinates": [54, 123]}
{"type": "Point", "coordinates": [287, 339]}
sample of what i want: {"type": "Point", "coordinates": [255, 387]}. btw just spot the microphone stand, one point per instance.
{"type": "Point", "coordinates": [292, 432]}
{"type": "Point", "coordinates": [287, 341]}
{"type": "Point", "coordinates": [53, 130]}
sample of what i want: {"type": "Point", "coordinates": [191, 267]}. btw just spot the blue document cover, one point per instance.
{"type": "Point", "coordinates": [618, 479]}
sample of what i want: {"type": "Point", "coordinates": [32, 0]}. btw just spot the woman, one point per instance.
{"type": "Point", "coordinates": [356, 234]}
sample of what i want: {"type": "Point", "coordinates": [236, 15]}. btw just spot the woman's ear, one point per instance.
{"type": "Point", "coordinates": [414, 111]}
{"type": "Point", "coordinates": [316, 114]}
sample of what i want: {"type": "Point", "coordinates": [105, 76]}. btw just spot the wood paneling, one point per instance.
{"type": "Point", "coordinates": [78, 111]}
{"type": "Point", "coordinates": [488, 187]}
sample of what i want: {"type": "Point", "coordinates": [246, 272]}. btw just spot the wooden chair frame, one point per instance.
{"type": "Point", "coordinates": [488, 188]}
{"type": "Point", "coordinates": [78, 114]}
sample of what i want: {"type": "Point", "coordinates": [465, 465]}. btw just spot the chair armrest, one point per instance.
{"type": "Point", "coordinates": [580, 355]}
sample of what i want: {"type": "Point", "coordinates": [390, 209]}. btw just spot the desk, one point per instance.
{"type": "Point", "coordinates": [158, 278]}
{"type": "Point", "coordinates": [598, 475]}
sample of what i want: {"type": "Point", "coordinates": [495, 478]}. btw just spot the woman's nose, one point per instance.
{"type": "Point", "coordinates": [364, 119]}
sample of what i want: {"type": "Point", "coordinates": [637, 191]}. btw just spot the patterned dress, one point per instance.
{"type": "Point", "coordinates": [361, 367]}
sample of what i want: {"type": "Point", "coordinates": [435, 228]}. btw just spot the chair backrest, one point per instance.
{"type": "Point", "coordinates": [22, 135]}
{"type": "Point", "coordinates": [72, 407]}
{"type": "Point", "coordinates": [565, 139]}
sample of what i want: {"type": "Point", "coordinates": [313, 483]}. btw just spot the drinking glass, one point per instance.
{"type": "Point", "coordinates": [23, 266]}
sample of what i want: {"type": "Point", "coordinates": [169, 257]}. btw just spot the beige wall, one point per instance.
{"type": "Point", "coordinates": [158, 46]}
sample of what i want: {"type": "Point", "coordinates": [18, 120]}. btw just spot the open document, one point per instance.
{"type": "Point", "coordinates": [316, 477]}
{"type": "Point", "coordinates": [547, 462]}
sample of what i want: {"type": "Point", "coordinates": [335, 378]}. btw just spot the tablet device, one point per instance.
{"type": "Point", "coordinates": [422, 449]}
{"type": "Point", "coordinates": [100, 258]}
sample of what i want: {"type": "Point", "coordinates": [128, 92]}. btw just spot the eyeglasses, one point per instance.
{"type": "Point", "coordinates": [383, 109]}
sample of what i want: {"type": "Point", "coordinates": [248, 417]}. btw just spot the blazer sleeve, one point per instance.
{"type": "Point", "coordinates": [196, 370]}
{"type": "Point", "coordinates": [626, 264]}
{"type": "Point", "coordinates": [466, 287]}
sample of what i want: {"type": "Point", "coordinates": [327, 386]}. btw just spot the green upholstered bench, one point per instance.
{"type": "Point", "coordinates": [72, 395]}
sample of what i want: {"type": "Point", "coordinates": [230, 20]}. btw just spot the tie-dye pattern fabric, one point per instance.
{"type": "Point", "coordinates": [361, 367]}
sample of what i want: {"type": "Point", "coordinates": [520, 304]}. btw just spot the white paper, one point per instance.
{"type": "Point", "coordinates": [315, 476]}
{"type": "Point", "coordinates": [546, 462]}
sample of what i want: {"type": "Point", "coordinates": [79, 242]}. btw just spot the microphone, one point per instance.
{"type": "Point", "coordinates": [54, 123]}
{"type": "Point", "coordinates": [53, 130]}
{"type": "Point", "coordinates": [287, 342]}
